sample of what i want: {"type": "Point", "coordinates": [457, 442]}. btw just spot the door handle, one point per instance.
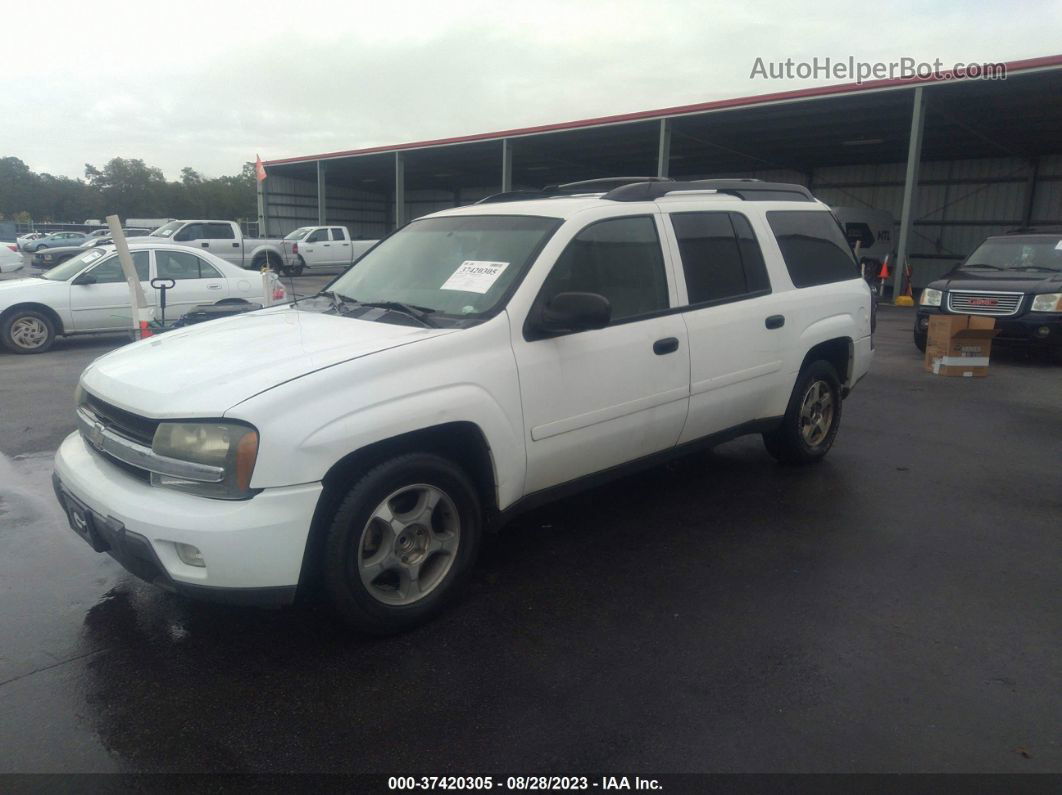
{"type": "Point", "coordinates": [205, 245]}
{"type": "Point", "coordinates": [666, 345]}
{"type": "Point", "coordinates": [213, 286]}
{"type": "Point", "coordinates": [775, 321]}
{"type": "Point", "coordinates": [235, 245]}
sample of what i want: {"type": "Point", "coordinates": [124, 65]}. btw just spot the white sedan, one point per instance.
{"type": "Point", "coordinates": [88, 294]}
{"type": "Point", "coordinates": [10, 257]}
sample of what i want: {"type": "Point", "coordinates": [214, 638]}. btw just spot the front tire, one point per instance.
{"type": "Point", "coordinates": [26, 331]}
{"type": "Point", "coordinates": [812, 418]}
{"type": "Point", "coordinates": [920, 341]}
{"type": "Point", "coordinates": [401, 543]}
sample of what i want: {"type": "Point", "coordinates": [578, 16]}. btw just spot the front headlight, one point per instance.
{"type": "Point", "coordinates": [229, 445]}
{"type": "Point", "coordinates": [930, 297]}
{"type": "Point", "coordinates": [1047, 302]}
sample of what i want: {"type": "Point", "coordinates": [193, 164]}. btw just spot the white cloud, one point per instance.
{"type": "Point", "coordinates": [209, 84]}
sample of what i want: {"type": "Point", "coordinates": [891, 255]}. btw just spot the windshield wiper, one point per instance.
{"type": "Point", "coordinates": [336, 299]}
{"type": "Point", "coordinates": [419, 313]}
{"type": "Point", "coordinates": [1035, 268]}
{"type": "Point", "coordinates": [983, 265]}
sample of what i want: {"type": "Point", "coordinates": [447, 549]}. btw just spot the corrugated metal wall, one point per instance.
{"type": "Point", "coordinates": [292, 203]}
{"type": "Point", "coordinates": [958, 203]}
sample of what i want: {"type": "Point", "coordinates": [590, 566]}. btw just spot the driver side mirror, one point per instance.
{"type": "Point", "coordinates": [568, 312]}
{"type": "Point", "coordinates": [85, 278]}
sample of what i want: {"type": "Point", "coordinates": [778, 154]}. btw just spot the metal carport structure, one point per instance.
{"type": "Point", "coordinates": [952, 159]}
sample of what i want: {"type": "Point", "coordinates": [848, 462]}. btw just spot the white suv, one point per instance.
{"type": "Point", "coordinates": [477, 362]}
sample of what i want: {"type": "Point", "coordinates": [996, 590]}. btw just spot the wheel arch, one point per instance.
{"type": "Point", "coordinates": [461, 441]}
{"type": "Point", "coordinates": [266, 253]}
{"type": "Point", "coordinates": [44, 309]}
{"type": "Point", "coordinates": [839, 352]}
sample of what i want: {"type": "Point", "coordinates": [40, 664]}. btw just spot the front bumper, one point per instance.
{"type": "Point", "coordinates": [253, 549]}
{"type": "Point", "coordinates": [1031, 328]}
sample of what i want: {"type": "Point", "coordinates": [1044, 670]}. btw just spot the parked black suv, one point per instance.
{"type": "Point", "coordinates": [1016, 278]}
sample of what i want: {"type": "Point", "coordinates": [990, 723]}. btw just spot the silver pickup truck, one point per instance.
{"type": "Point", "coordinates": [222, 238]}
{"type": "Point", "coordinates": [321, 247]}
{"type": "Point", "coordinates": [309, 247]}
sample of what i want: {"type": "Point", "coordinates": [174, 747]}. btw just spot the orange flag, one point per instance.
{"type": "Point", "coordinates": [259, 168]}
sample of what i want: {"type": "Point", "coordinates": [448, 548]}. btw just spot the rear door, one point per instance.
{"type": "Point", "coordinates": [106, 304]}
{"type": "Point", "coordinates": [735, 326]}
{"type": "Point", "coordinates": [341, 254]}
{"type": "Point", "coordinates": [222, 241]}
{"type": "Point", "coordinates": [196, 281]}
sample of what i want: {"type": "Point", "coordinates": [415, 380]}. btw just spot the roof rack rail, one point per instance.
{"type": "Point", "coordinates": [601, 185]}
{"type": "Point", "coordinates": [745, 189]}
{"type": "Point", "coordinates": [638, 189]}
{"type": "Point", "coordinates": [568, 189]}
{"type": "Point", "coordinates": [515, 196]}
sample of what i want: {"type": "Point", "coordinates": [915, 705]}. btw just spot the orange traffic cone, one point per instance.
{"type": "Point", "coordinates": [884, 272]}
{"type": "Point", "coordinates": [145, 330]}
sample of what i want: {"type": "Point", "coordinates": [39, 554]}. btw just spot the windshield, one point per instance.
{"type": "Point", "coordinates": [167, 230]}
{"type": "Point", "coordinates": [298, 234]}
{"type": "Point", "coordinates": [70, 268]}
{"type": "Point", "coordinates": [460, 265]}
{"type": "Point", "coordinates": [1017, 253]}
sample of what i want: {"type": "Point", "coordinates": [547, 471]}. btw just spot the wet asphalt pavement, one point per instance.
{"type": "Point", "coordinates": [895, 608]}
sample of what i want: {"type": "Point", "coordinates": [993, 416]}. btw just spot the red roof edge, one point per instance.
{"type": "Point", "coordinates": [678, 110]}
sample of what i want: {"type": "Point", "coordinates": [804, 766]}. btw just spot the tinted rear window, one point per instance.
{"type": "Point", "coordinates": [720, 257]}
{"type": "Point", "coordinates": [813, 247]}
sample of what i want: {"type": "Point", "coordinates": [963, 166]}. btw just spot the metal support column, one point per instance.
{"type": "Point", "coordinates": [400, 190]}
{"type": "Point", "coordinates": [663, 151]}
{"type": "Point", "coordinates": [910, 186]}
{"type": "Point", "coordinates": [507, 166]}
{"type": "Point", "coordinates": [1030, 194]}
{"type": "Point", "coordinates": [322, 190]}
{"type": "Point", "coordinates": [263, 210]}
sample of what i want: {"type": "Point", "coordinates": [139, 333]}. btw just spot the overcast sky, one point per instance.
{"type": "Point", "coordinates": [209, 84]}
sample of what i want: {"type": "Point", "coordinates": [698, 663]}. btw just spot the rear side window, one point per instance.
{"type": "Point", "coordinates": [720, 257]}
{"type": "Point", "coordinates": [219, 232]}
{"type": "Point", "coordinates": [620, 259]}
{"type": "Point", "coordinates": [180, 265]}
{"type": "Point", "coordinates": [337, 234]}
{"type": "Point", "coordinates": [813, 247]}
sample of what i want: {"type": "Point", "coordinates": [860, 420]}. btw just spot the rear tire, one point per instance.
{"type": "Point", "coordinates": [298, 267]}
{"type": "Point", "coordinates": [401, 543]}
{"type": "Point", "coordinates": [812, 418]}
{"type": "Point", "coordinates": [27, 331]}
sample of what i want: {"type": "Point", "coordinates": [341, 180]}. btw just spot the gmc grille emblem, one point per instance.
{"type": "Point", "coordinates": [984, 302]}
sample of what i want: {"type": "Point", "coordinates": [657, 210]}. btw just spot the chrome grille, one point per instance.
{"type": "Point", "coordinates": [131, 426]}
{"type": "Point", "coordinates": [984, 302]}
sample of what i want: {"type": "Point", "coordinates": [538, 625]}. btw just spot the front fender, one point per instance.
{"type": "Point", "coordinates": [312, 422]}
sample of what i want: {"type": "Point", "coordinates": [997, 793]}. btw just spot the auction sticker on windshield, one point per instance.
{"type": "Point", "coordinates": [474, 276]}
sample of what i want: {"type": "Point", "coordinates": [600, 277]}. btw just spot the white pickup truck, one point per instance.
{"type": "Point", "coordinates": [320, 248]}
{"type": "Point", "coordinates": [475, 363]}
{"type": "Point", "coordinates": [223, 239]}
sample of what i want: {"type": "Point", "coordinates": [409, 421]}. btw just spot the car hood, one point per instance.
{"type": "Point", "coordinates": [60, 250]}
{"type": "Point", "coordinates": [1003, 281]}
{"type": "Point", "coordinates": [204, 370]}
{"type": "Point", "coordinates": [12, 290]}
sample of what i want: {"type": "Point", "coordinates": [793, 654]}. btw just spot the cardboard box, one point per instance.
{"type": "Point", "coordinates": [959, 344]}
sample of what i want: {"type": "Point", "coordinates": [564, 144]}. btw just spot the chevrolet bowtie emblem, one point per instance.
{"type": "Point", "coordinates": [95, 436]}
